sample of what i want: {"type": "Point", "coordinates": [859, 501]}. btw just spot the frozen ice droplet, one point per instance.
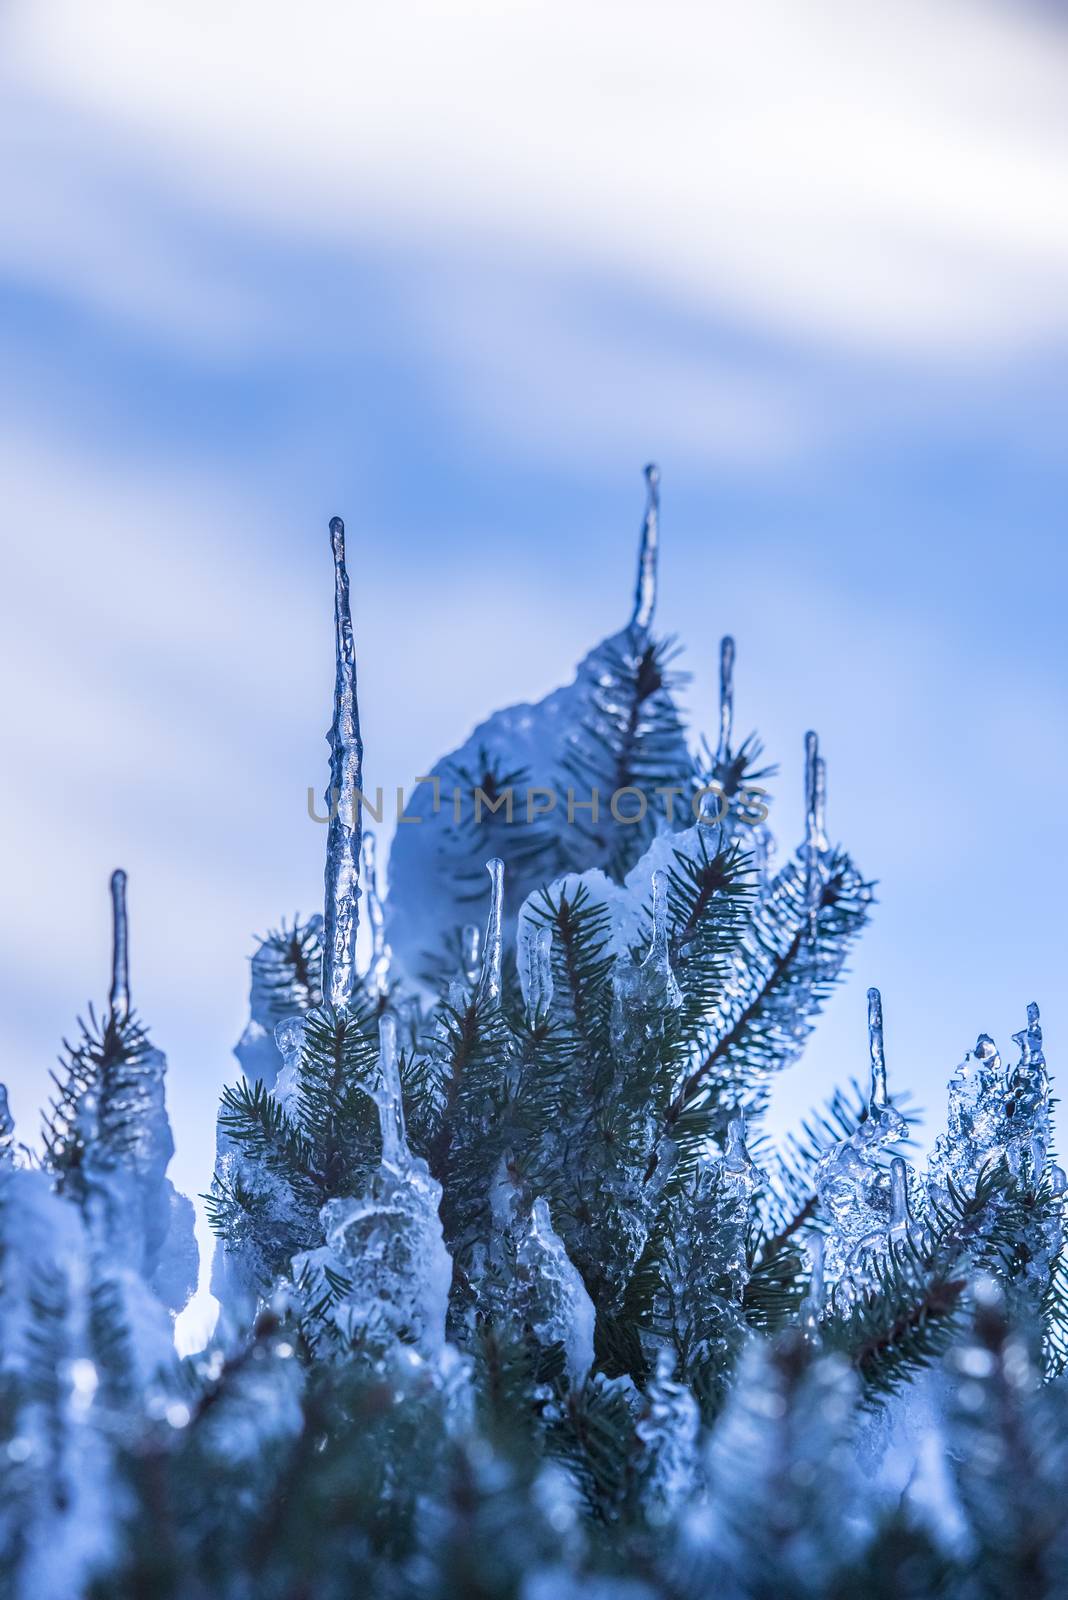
{"type": "Point", "coordinates": [342, 913]}
{"type": "Point", "coordinates": [470, 952]}
{"type": "Point", "coordinates": [119, 997]}
{"type": "Point", "coordinates": [645, 590]}
{"type": "Point", "coordinates": [534, 960]}
{"type": "Point", "coordinates": [489, 983]}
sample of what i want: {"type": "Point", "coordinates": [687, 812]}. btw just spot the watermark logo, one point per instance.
{"type": "Point", "coordinates": [628, 805]}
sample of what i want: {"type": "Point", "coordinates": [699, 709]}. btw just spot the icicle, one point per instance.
{"type": "Point", "coordinates": [378, 971]}
{"type": "Point", "coordinates": [815, 835]}
{"type": "Point", "coordinates": [389, 1097]}
{"type": "Point", "coordinates": [343, 799]}
{"type": "Point", "coordinates": [645, 591]}
{"type": "Point", "coordinates": [853, 1185]}
{"type": "Point", "coordinates": [642, 995]}
{"type": "Point", "coordinates": [726, 701]}
{"type": "Point", "coordinates": [815, 795]}
{"type": "Point", "coordinates": [7, 1129]}
{"type": "Point", "coordinates": [810, 1311]}
{"type": "Point", "coordinates": [737, 1162]}
{"type": "Point", "coordinates": [1029, 1040]}
{"type": "Point", "coordinates": [878, 1097]}
{"type": "Point", "coordinates": [489, 983]}
{"type": "Point", "coordinates": [119, 998]}
{"type": "Point", "coordinates": [902, 1229]}
{"type": "Point", "coordinates": [1058, 1181]}
{"type": "Point", "coordinates": [550, 1294]}
{"type": "Point", "coordinates": [1029, 1100]}
{"type": "Point", "coordinates": [658, 961]}
{"type": "Point", "coordinates": [534, 959]}
{"type": "Point", "coordinates": [470, 946]}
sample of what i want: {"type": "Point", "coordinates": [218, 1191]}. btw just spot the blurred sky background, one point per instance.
{"type": "Point", "coordinates": [456, 271]}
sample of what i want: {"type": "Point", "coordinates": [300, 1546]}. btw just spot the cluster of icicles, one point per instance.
{"type": "Point", "coordinates": [871, 1201]}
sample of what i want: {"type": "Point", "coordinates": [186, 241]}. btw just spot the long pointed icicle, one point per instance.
{"type": "Point", "coordinates": [726, 700]}
{"type": "Point", "coordinates": [489, 983]}
{"type": "Point", "coordinates": [645, 590]}
{"type": "Point", "coordinates": [389, 1097]}
{"type": "Point", "coordinates": [879, 1099]}
{"type": "Point", "coordinates": [815, 838]}
{"type": "Point", "coordinates": [378, 971]}
{"type": "Point", "coordinates": [658, 960]}
{"type": "Point", "coordinates": [119, 997]}
{"type": "Point", "coordinates": [342, 912]}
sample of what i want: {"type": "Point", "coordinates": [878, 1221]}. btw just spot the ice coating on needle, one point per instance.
{"type": "Point", "coordinates": [550, 1294]}
{"type": "Point", "coordinates": [851, 1178]}
{"type": "Point", "coordinates": [489, 983]}
{"type": "Point", "coordinates": [342, 914]}
{"type": "Point", "coordinates": [645, 589]}
{"type": "Point", "coordinates": [378, 968]}
{"type": "Point", "coordinates": [534, 945]}
{"type": "Point", "coordinates": [119, 995]}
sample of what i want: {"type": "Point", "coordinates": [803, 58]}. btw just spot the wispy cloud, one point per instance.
{"type": "Point", "coordinates": [883, 177]}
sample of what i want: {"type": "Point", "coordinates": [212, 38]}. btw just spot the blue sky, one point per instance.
{"type": "Point", "coordinates": [457, 273]}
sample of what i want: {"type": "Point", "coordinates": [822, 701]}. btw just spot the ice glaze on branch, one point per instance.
{"type": "Point", "coordinates": [342, 914]}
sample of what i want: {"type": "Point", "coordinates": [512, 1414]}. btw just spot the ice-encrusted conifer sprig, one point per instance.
{"type": "Point", "coordinates": [98, 1074]}
{"type": "Point", "coordinates": [733, 769]}
{"type": "Point", "coordinates": [629, 734]}
{"type": "Point", "coordinates": [315, 1131]}
{"type": "Point", "coordinates": [782, 970]}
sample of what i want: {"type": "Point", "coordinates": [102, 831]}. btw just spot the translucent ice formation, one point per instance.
{"type": "Point", "coordinates": [549, 1294]}
{"type": "Point", "coordinates": [526, 748]}
{"type": "Point", "coordinates": [489, 983]}
{"type": "Point", "coordinates": [534, 960]}
{"type": "Point", "coordinates": [852, 1179]}
{"type": "Point", "coordinates": [645, 589]}
{"type": "Point", "coordinates": [383, 1272]}
{"type": "Point", "coordinates": [643, 994]}
{"type": "Point", "coordinates": [669, 1429]}
{"type": "Point", "coordinates": [378, 968]}
{"type": "Point", "coordinates": [342, 914]}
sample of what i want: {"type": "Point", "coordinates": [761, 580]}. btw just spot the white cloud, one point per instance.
{"type": "Point", "coordinates": [884, 176]}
